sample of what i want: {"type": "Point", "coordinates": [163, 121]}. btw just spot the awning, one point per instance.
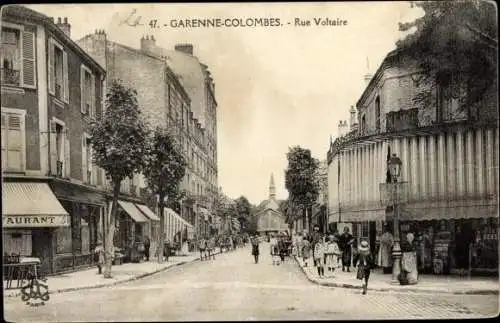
{"type": "Point", "coordinates": [184, 222]}
{"type": "Point", "coordinates": [362, 215]}
{"type": "Point", "coordinates": [147, 212]}
{"type": "Point", "coordinates": [31, 205]}
{"type": "Point", "coordinates": [133, 212]}
{"type": "Point", "coordinates": [451, 212]}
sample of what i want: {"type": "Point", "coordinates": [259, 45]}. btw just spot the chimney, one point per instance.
{"type": "Point", "coordinates": [184, 48]}
{"type": "Point", "coordinates": [100, 34]}
{"type": "Point", "coordinates": [342, 128]}
{"type": "Point", "coordinates": [352, 121]}
{"type": "Point", "coordinates": [64, 26]}
{"type": "Point", "coordinates": [148, 44]}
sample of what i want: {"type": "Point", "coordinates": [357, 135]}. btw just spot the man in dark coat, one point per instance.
{"type": "Point", "coordinates": [147, 246]}
{"type": "Point", "coordinates": [345, 242]}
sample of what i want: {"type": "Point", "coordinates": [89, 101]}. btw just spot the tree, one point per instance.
{"type": "Point", "coordinates": [119, 144]}
{"type": "Point", "coordinates": [457, 39]}
{"type": "Point", "coordinates": [164, 170]}
{"type": "Point", "coordinates": [243, 210]}
{"type": "Point", "coordinates": [301, 182]}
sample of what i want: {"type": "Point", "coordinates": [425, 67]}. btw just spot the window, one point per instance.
{"type": "Point", "coordinates": [18, 56]}
{"type": "Point", "coordinates": [448, 97]}
{"type": "Point", "coordinates": [87, 174]}
{"type": "Point", "coordinates": [59, 149]}
{"type": "Point", "coordinates": [58, 71]}
{"type": "Point", "coordinates": [87, 90]}
{"type": "Point", "coordinates": [363, 124]}
{"type": "Point", "coordinates": [13, 141]}
{"type": "Point", "coordinates": [11, 56]}
{"type": "Point", "coordinates": [377, 114]}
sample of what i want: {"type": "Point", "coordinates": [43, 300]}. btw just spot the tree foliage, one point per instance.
{"type": "Point", "coordinates": [243, 210]}
{"type": "Point", "coordinates": [300, 179]}
{"type": "Point", "coordinates": [165, 167]}
{"type": "Point", "coordinates": [455, 38]}
{"type": "Point", "coordinates": [119, 144]}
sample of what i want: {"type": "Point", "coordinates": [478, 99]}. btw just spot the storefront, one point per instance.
{"type": "Point", "coordinates": [131, 224]}
{"type": "Point", "coordinates": [31, 216]}
{"type": "Point", "coordinates": [152, 228]}
{"type": "Point", "coordinates": [74, 245]}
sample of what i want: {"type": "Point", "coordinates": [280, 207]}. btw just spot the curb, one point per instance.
{"type": "Point", "coordinates": [72, 289]}
{"type": "Point", "coordinates": [389, 289]}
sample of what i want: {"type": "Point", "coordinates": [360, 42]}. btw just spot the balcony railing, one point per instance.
{"type": "Point", "coordinates": [10, 77]}
{"type": "Point", "coordinates": [58, 91]}
{"type": "Point", "coordinates": [402, 120]}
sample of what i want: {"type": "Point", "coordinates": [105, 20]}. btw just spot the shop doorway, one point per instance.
{"type": "Point", "coordinates": [42, 248]}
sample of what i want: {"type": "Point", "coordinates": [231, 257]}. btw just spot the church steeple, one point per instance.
{"type": "Point", "coordinates": [272, 188]}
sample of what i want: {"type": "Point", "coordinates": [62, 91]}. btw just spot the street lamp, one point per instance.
{"type": "Point", "coordinates": [394, 165]}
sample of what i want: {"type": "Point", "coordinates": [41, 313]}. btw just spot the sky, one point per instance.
{"type": "Point", "coordinates": [276, 87]}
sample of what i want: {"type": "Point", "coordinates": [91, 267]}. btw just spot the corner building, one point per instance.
{"type": "Point", "coordinates": [450, 169]}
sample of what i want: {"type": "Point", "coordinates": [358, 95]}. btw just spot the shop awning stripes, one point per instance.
{"type": "Point", "coordinates": [148, 212]}
{"type": "Point", "coordinates": [133, 211]}
{"type": "Point", "coordinates": [31, 204]}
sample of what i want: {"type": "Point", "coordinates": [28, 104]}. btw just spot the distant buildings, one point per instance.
{"type": "Point", "coordinates": [268, 215]}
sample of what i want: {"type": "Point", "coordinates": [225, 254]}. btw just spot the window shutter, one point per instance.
{"type": "Point", "coordinates": [53, 148]}
{"type": "Point", "coordinates": [67, 155]}
{"type": "Point", "coordinates": [4, 141]}
{"type": "Point", "coordinates": [65, 77]}
{"type": "Point", "coordinates": [29, 54]}
{"type": "Point", "coordinates": [51, 70]}
{"type": "Point", "coordinates": [92, 97]}
{"type": "Point", "coordinates": [84, 158]}
{"type": "Point", "coordinates": [15, 142]}
{"type": "Point", "coordinates": [82, 90]}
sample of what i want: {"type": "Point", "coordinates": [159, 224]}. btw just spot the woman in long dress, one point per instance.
{"type": "Point", "coordinates": [384, 258]}
{"type": "Point", "coordinates": [409, 260]}
{"type": "Point", "coordinates": [332, 253]}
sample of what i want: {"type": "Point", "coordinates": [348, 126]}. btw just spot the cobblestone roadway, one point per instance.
{"type": "Point", "coordinates": [233, 288]}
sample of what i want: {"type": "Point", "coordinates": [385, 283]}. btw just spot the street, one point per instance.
{"type": "Point", "coordinates": [232, 287]}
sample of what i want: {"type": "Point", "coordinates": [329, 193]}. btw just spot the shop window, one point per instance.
{"type": "Point", "coordinates": [64, 239]}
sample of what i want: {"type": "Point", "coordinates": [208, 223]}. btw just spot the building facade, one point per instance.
{"type": "Point", "coordinates": [165, 102]}
{"type": "Point", "coordinates": [269, 218]}
{"type": "Point", "coordinates": [449, 192]}
{"type": "Point", "coordinates": [53, 197]}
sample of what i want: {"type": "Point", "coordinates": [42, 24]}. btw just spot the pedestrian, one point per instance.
{"type": "Point", "coordinates": [332, 253]}
{"type": "Point", "coordinates": [365, 263]}
{"type": "Point", "coordinates": [273, 246]}
{"type": "Point", "coordinates": [211, 248]}
{"type": "Point", "coordinates": [306, 251]}
{"type": "Point", "coordinates": [409, 261]}
{"type": "Point", "coordinates": [282, 247]}
{"type": "Point", "coordinates": [384, 258]}
{"type": "Point", "coordinates": [345, 243]}
{"type": "Point", "coordinates": [147, 246]}
{"type": "Point", "coordinates": [319, 256]}
{"type": "Point", "coordinates": [299, 245]}
{"type": "Point", "coordinates": [202, 246]}
{"type": "Point", "coordinates": [99, 257]}
{"type": "Point", "coordinates": [255, 248]}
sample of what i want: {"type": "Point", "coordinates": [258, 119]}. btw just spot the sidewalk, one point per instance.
{"type": "Point", "coordinates": [88, 278]}
{"type": "Point", "coordinates": [381, 282]}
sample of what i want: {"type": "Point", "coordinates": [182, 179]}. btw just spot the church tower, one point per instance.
{"type": "Point", "coordinates": [272, 188]}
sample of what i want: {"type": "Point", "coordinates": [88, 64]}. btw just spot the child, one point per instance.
{"type": "Point", "coordinates": [319, 256]}
{"type": "Point", "coordinates": [306, 251]}
{"type": "Point", "coordinates": [332, 253]}
{"type": "Point", "coordinates": [99, 255]}
{"type": "Point", "coordinates": [365, 264]}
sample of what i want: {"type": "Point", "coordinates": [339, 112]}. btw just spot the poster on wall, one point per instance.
{"type": "Point", "coordinates": [341, 227]}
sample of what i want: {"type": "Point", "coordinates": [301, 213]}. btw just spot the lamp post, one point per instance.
{"type": "Point", "coordinates": [394, 165]}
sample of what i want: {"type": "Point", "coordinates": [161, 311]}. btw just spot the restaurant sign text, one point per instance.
{"type": "Point", "coordinates": [17, 221]}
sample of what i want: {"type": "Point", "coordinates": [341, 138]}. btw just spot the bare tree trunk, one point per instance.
{"type": "Point", "coordinates": [109, 248]}
{"type": "Point", "coordinates": [161, 245]}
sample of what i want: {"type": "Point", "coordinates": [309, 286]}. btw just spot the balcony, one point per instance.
{"type": "Point", "coordinates": [402, 120]}
{"type": "Point", "coordinates": [11, 77]}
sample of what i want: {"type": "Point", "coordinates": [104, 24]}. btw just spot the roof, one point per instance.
{"type": "Point", "coordinates": [23, 13]}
